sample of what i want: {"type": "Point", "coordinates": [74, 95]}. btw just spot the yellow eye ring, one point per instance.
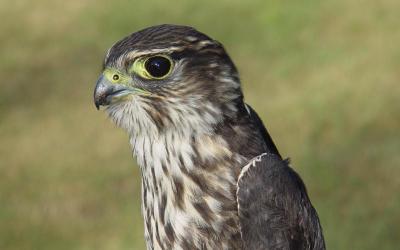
{"type": "Point", "coordinates": [155, 67]}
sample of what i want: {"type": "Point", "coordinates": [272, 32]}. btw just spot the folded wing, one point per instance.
{"type": "Point", "coordinates": [274, 209]}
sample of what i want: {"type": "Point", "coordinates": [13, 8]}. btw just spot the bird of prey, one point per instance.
{"type": "Point", "coordinates": [212, 177]}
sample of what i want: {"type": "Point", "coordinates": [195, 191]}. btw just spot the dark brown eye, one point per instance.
{"type": "Point", "coordinates": [158, 66]}
{"type": "Point", "coordinates": [115, 77]}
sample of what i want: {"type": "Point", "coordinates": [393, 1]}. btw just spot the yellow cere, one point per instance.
{"type": "Point", "coordinates": [117, 77]}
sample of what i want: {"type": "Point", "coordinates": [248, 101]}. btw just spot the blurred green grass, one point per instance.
{"type": "Point", "coordinates": [324, 76]}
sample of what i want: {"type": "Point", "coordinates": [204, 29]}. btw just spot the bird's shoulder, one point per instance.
{"type": "Point", "coordinates": [273, 206]}
{"type": "Point", "coordinates": [259, 125]}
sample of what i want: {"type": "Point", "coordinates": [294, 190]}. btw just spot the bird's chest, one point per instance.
{"type": "Point", "coordinates": [188, 202]}
{"type": "Point", "coordinates": [178, 214]}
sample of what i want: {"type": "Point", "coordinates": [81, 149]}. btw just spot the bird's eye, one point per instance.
{"type": "Point", "coordinates": [115, 77]}
{"type": "Point", "coordinates": [153, 68]}
{"type": "Point", "coordinates": [158, 66]}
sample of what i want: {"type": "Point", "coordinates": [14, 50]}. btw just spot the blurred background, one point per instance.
{"type": "Point", "coordinates": [323, 75]}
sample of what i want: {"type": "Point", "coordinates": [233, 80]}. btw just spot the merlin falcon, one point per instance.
{"type": "Point", "coordinates": [212, 178]}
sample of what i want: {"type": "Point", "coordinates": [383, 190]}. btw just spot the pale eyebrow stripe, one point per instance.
{"type": "Point", "coordinates": [136, 53]}
{"type": "Point", "coordinates": [133, 54]}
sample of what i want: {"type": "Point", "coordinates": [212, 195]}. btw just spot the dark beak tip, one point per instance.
{"type": "Point", "coordinates": [97, 101]}
{"type": "Point", "coordinates": [99, 92]}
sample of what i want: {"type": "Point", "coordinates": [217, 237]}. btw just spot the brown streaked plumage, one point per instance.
{"type": "Point", "coordinates": [177, 93]}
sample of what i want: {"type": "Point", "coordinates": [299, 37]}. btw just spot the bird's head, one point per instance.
{"type": "Point", "coordinates": [168, 77]}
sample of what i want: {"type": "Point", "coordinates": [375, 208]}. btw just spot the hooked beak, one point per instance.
{"type": "Point", "coordinates": [106, 92]}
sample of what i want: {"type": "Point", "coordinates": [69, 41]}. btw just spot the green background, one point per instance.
{"type": "Point", "coordinates": [323, 75]}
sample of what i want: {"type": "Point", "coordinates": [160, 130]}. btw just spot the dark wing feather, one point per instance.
{"type": "Point", "coordinates": [269, 143]}
{"type": "Point", "coordinates": [274, 209]}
